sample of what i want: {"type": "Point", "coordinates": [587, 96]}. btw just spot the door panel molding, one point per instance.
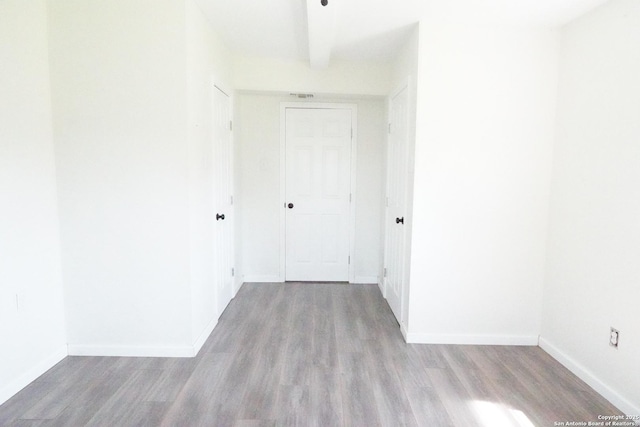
{"type": "Point", "coordinates": [352, 218]}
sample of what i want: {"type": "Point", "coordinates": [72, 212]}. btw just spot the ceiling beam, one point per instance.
{"type": "Point", "coordinates": [321, 23]}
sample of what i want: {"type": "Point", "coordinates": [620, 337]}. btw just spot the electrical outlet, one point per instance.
{"type": "Point", "coordinates": [614, 337]}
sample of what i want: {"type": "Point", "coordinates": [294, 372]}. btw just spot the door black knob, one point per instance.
{"type": "Point", "coordinates": [219, 217]}
{"type": "Point", "coordinates": [400, 220]}
{"type": "Point", "coordinates": [290, 205]}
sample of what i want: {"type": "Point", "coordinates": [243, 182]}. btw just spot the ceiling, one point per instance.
{"type": "Point", "coordinates": [364, 30]}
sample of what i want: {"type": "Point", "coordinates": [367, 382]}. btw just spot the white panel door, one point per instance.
{"type": "Point", "coordinates": [318, 174]}
{"type": "Point", "coordinates": [222, 199]}
{"type": "Point", "coordinates": [396, 194]}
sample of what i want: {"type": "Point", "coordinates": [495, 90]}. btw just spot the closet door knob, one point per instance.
{"type": "Point", "coordinates": [400, 220]}
{"type": "Point", "coordinates": [290, 205]}
{"type": "Point", "coordinates": [219, 217]}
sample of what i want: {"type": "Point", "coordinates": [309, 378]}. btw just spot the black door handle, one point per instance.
{"type": "Point", "coordinates": [290, 205]}
{"type": "Point", "coordinates": [400, 220]}
{"type": "Point", "coordinates": [219, 217]}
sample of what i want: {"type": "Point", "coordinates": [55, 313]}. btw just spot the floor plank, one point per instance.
{"type": "Point", "coordinates": [310, 354]}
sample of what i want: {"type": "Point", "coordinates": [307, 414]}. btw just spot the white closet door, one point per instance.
{"type": "Point", "coordinates": [396, 194]}
{"type": "Point", "coordinates": [318, 174]}
{"type": "Point", "coordinates": [223, 204]}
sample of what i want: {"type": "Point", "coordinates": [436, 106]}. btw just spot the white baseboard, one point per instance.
{"type": "Point", "coordinates": [9, 390]}
{"type": "Point", "coordinates": [262, 279]}
{"type": "Point", "coordinates": [404, 332]}
{"type": "Point", "coordinates": [130, 351]}
{"type": "Point", "coordinates": [524, 340]}
{"type": "Point", "coordinates": [591, 379]}
{"type": "Point", "coordinates": [204, 335]}
{"type": "Point", "coordinates": [365, 280]}
{"type": "Point", "coordinates": [382, 289]}
{"type": "Point", "coordinates": [237, 285]}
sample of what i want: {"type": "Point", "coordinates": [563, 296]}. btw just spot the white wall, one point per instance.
{"type": "Point", "coordinates": [208, 62]}
{"type": "Point", "coordinates": [593, 271]}
{"type": "Point", "coordinates": [118, 72]}
{"type": "Point", "coordinates": [370, 186]}
{"type": "Point", "coordinates": [31, 294]}
{"type": "Point", "coordinates": [340, 78]}
{"type": "Point", "coordinates": [486, 105]}
{"type": "Point", "coordinates": [257, 138]}
{"type": "Point", "coordinates": [258, 166]}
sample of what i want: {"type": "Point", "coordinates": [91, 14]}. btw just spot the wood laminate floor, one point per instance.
{"type": "Point", "coordinates": [310, 355]}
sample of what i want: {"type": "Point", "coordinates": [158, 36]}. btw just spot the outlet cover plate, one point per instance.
{"type": "Point", "coordinates": [614, 337]}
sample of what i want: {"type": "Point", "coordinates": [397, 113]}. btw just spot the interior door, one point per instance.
{"type": "Point", "coordinates": [318, 175]}
{"type": "Point", "coordinates": [222, 196]}
{"type": "Point", "coordinates": [396, 198]}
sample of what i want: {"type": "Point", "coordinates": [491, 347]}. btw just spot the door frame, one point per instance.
{"type": "Point", "coordinates": [354, 145]}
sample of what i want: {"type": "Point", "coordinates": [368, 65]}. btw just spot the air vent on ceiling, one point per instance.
{"type": "Point", "coordinates": [302, 95]}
